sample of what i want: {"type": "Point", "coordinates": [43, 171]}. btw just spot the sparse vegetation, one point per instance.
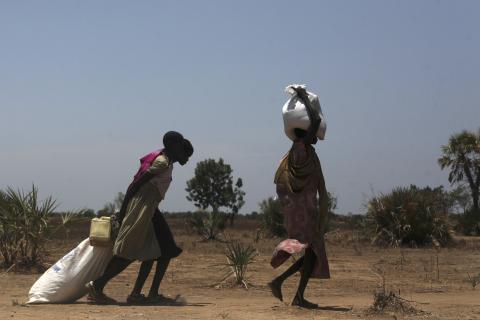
{"type": "Point", "coordinates": [67, 219]}
{"type": "Point", "coordinates": [23, 226]}
{"type": "Point", "coordinates": [389, 301]}
{"type": "Point", "coordinates": [270, 210]}
{"type": "Point", "coordinates": [111, 207]}
{"type": "Point", "coordinates": [462, 156]}
{"type": "Point", "coordinates": [468, 223]}
{"type": "Point", "coordinates": [207, 224]}
{"type": "Point", "coordinates": [474, 280]}
{"type": "Point", "coordinates": [400, 271]}
{"type": "Point", "coordinates": [410, 216]}
{"type": "Point", "coordinates": [239, 257]}
{"type": "Point", "coordinates": [386, 300]}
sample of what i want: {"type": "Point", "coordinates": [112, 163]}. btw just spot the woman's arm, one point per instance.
{"type": "Point", "coordinates": [132, 190]}
{"type": "Point", "coordinates": [323, 205]}
{"type": "Point", "coordinates": [159, 165]}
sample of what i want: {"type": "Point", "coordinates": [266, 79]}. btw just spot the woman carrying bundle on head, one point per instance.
{"type": "Point", "coordinates": [298, 180]}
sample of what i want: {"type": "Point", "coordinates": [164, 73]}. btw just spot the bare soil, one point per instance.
{"type": "Point", "coordinates": [437, 291]}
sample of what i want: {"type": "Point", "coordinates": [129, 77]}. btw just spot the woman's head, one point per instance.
{"type": "Point", "coordinates": [305, 136]}
{"type": "Point", "coordinates": [300, 133]}
{"type": "Point", "coordinates": [177, 147]}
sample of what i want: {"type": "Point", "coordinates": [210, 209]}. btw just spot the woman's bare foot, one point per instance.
{"type": "Point", "coordinates": [276, 288]}
{"type": "Point", "coordinates": [303, 303]}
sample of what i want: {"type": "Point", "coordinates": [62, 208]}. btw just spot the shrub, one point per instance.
{"type": "Point", "coordinates": [239, 257]}
{"type": "Point", "coordinates": [272, 217]}
{"type": "Point", "coordinates": [88, 213]}
{"type": "Point", "coordinates": [473, 280]}
{"type": "Point", "coordinates": [69, 218]}
{"type": "Point", "coordinates": [468, 223]}
{"type": "Point", "coordinates": [388, 301]}
{"type": "Point", "coordinates": [23, 226]}
{"type": "Point", "coordinates": [207, 224]}
{"type": "Point", "coordinates": [410, 216]}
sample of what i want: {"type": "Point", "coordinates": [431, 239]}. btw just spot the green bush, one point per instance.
{"type": "Point", "coordinates": [272, 215]}
{"type": "Point", "coordinates": [468, 223]}
{"type": "Point", "coordinates": [23, 226]}
{"type": "Point", "coordinates": [207, 224]}
{"type": "Point", "coordinates": [410, 215]}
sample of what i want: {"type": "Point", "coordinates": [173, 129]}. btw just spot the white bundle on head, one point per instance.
{"type": "Point", "coordinates": [295, 114]}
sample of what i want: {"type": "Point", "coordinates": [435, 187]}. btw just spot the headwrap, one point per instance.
{"type": "Point", "coordinates": [172, 138]}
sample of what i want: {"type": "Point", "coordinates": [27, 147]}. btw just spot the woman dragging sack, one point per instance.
{"type": "Point", "coordinates": [144, 234]}
{"type": "Point", "coordinates": [298, 180]}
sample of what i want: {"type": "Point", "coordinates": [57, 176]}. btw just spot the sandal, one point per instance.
{"type": "Point", "coordinates": [97, 297]}
{"type": "Point", "coordinates": [136, 298]}
{"type": "Point", "coordinates": [161, 299]}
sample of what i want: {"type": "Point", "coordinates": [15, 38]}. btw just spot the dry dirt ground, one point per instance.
{"type": "Point", "coordinates": [440, 291]}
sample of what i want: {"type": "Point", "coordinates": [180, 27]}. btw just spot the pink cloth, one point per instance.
{"type": "Point", "coordinates": [285, 249]}
{"type": "Point", "coordinates": [291, 246]}
{"type": "Point", "coordinates": [145, 163]}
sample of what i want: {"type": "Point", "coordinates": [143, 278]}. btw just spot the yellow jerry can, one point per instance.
{"type": "Point", "coordinates": [100, 232]}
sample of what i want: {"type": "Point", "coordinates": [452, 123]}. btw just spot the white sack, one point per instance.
{"type": "Point", "coordinates": [295, 113]}
{"type": "Point", "coordinates": [65, 281]}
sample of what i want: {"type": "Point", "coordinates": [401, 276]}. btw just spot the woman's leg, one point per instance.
{"type": "Point", "coordinates": [276, 284]}
{"type": "Point", "coordinates": [143, 273]}
{"type": "Point", "coordinates": [162, 265]}
{"type": "Point", "coordinates": [306, 272]}
{"type": "Point", "coordinates": [95, 288]}
{"type": "Point", "coordinates": [114, 267]}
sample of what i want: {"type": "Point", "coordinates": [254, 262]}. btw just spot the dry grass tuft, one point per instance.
{"type": "Point", "coordinates": [387, 301]}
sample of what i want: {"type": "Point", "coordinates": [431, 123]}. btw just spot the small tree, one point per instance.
{"type": "Point", "coordinates": [462, 156]}
{"type": "Point", "coordinates": [238, 201]}
{"type": "Point", "coordinates": [212, 186]}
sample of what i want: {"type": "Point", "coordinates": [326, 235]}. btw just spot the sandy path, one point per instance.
{"type": "Point", "coordinates": [346, 296]}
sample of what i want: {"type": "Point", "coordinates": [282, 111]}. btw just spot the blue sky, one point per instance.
{"type": "Point", "coordinates": [87, 87]}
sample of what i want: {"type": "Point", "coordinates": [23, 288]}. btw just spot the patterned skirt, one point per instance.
{"type": "Point", "coordinates": [300, 212]}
